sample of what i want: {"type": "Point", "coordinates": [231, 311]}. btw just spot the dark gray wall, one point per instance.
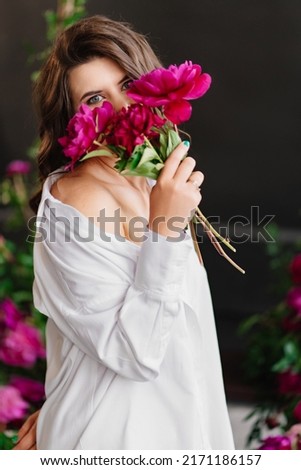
{"type": "Point", "coordinates": [245, 131]}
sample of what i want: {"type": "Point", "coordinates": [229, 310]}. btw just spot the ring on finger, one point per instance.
{"type": "Point", "coordinates": [196, 184]}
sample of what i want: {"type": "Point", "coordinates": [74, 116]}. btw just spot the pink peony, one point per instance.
{"type": "Point", "coordinates": [171, 88]}
{"type": "Point", "coordinates": [292, 322]}
{"type": "Point", "coordinates": [30, 389]}
{"type": "Point", "coordinates": [289, 382]}
{"type": "Point", "coordinates": [276, 443]}
{"type": "Point", "coordinates": [272, 422]}
{"type": "Point", "coordinates": [293, 299]}
{"type": "Point", "coordinates": [18, 167]}
{"type": "Point", "coordinates": [10, 315]}
{"type": "Point", "coordinates": [12, 405]}
{"type": "Point", "coordinates": [294, 434]}
{"type": "Point", "coordinates": [295, 269]}
{"type": "Point", "coordinates": [84, 128]}
{"type": "Point", "coordinates": [297, 411]}
{"type": "Point", "coordinates": [132, 125]}
{"type": "Point", "coordinates": [21, 346]}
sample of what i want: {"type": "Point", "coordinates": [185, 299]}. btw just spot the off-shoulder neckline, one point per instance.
{"type": "Point", "coordinates": [53, 177]}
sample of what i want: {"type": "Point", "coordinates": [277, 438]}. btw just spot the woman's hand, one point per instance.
{"type": "Point", "coordinates": [175, 196]}
{"type": "Point", "coordinates": [27, 433]}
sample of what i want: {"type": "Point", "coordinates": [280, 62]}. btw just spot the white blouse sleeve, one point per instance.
{"type": "Point", "coordinates": [117, 308]}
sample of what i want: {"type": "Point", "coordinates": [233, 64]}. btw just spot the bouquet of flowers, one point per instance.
{"type": "Point", "coordinates": [143, 135]}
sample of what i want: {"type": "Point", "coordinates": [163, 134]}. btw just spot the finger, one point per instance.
{"type": "Point", "coordinates": [26, 440]}
{"type": "Point", "coordinates": [173, 161]}
{"type": "Point", "coordinates": [26, 443]}
{"type": "Point", "coordinates": [197, 176]}
{"type": "Point", "coordinates": [184, 169]}
{"type": "Point", "coordinates": [31, 420]}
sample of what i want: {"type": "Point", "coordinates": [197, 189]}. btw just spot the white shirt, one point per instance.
{"type": "Point", "coordinates": [132, 353]}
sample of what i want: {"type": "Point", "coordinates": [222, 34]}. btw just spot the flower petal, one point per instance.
{"type": "Point", "coordinates": [178, 111]}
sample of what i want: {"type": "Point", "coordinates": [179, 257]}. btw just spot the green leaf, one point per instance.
{"type": "Point", "coordinates": [135, 158]}
{"type": "Point", "coordinates": [22, 296]}
{"type": "Point", "coordinates": [248, 324]}
{"type": "Point", "coordinates": [173, 141]}
{"type": "Point", "coordinates": [281, 365]}
{"type": "Point", "coordinates": [148, 170]}
{"type": "Point", "coordinates": [163, 139]}
{"type": "Point", "coordinates": [120, 165]}
{"type": "Point", "coordinates": [103, 152]}
{"type": "Point", "coordinates": [7, 442]}
{"type": "Point", "coordinates": [148, 155]}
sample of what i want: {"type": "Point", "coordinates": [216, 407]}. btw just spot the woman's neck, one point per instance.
{"type": "Point", "coordinates": [103, 168]}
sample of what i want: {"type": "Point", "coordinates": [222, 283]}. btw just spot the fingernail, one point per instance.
{"type": "Point", "coordinates": [186, 143]}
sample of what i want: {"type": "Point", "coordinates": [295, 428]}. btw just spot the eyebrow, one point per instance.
{"type": "Point", "coordinates": [89, 93]}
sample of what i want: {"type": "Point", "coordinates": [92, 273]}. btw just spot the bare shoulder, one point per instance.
{"type": "Point", "coordinates": [85, 193]}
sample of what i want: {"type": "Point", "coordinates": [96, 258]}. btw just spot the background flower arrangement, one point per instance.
{"type": "Point", "coordinates": [273, 360]}
{"type": "Point", "coordinates": [22, 350]}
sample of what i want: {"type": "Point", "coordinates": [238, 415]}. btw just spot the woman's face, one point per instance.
{"type": "Point", "coordinates": [101, 79]}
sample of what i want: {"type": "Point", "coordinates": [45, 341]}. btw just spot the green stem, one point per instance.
{"type": "Point", "coordinates": [203, 219]}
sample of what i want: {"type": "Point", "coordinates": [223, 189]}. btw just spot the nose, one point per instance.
{"type": "Point", "coordinates": [120, 100]}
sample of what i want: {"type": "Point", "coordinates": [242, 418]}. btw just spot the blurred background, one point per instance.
{"type": "Point", "coordinates": [245, 132]}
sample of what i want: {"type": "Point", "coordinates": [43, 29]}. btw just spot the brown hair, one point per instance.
{"type": "Point", "coordinates": [95, 36]}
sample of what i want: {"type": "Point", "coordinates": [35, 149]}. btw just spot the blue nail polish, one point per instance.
{"type": "Point", "coordinates": [186, 143]}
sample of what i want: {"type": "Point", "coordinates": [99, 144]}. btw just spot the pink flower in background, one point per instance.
{"type": "Point", "coordinates": [132, 125]}
{"type": "Point", "coordinates": [276, 443]}
{"type": "Point", "coordinates": [12, 405]}
{"type": "Point", "coordinates": [171, 88]}
{"type": "Point", "coordinates": [295, 269]}
{"type": "Point", "coordinates": [272, 421]}
{"type": "Point", "coordinates": [289, 382]}
{"type": "Point", "coordinates": [84, 128]}
{"type": "Point", "coordinates": [293, 299]}
{"type": "Point", "coordinates": [292, 322]}
{"type": "Point", "coordinates": [294, 434]}
{"type": "Point", "coordinates": [297, 412]}
{"type": "Point", "coordinates": [10, 315]}
{"type": "Point", "coordinates": [17, 167]}
{"type": "Point", "coordinates": [30, 389]}
{"type": "Point", "coordinates": [22, 346]}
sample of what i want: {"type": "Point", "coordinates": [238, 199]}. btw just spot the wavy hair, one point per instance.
{"type": "Point", "coordinates": [95, 36]}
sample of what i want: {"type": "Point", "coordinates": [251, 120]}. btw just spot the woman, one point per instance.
{"type": "Point", "coordinates": [132, 354]}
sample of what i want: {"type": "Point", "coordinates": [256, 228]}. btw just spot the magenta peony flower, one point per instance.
{"type": "Point", "coordinates": [12, 405]}
{"type": "Point", "coordinates": [132, 125]}
{"type": "Point", "coordinates": [171, 88]}
{"type": "Point", "coordinates": [21, 346]}
{"type": "Point", "coordinates": [276, 443]}
{"type": "Point", "coordinates": [30, 389]}
{"type": "Point", "coordinates": [289, 382]}
{"type": "Point", "coordinates": [295, 269]}
{"type": "Point", "coordinates": [10, 315]}
{"type": "Point", "coordinates": [293, 299]}
{"type": "Point", "coordinates": [272, 421]}
{"type": "Point", "coordinates": [292, 322]}
{"type": "Point", "coordinates": [297, 411]}
{"type": "Point", "coordinates": [84, 128]}
{"type": "Point", "coordinates": [17, 167]}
